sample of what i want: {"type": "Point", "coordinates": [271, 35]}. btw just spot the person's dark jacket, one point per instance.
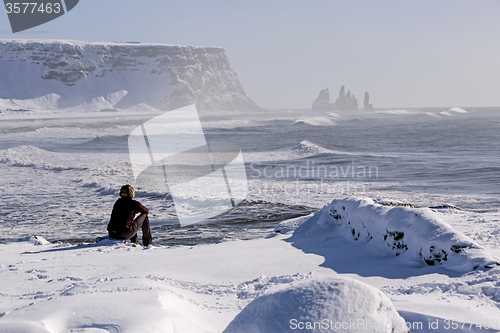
{"type": "Point", "coordinates": [123, 214]}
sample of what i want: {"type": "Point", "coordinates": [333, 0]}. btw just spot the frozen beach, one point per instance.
{"type": "Point", "coordinates": [429, 174]}
{"type": "Point", "coordinates": [114, 287]}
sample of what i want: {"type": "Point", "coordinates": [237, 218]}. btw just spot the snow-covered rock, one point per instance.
{"type": "Point", "coordinates": [323, 102]}
{"type": "Point", "coordinates": [58, 74]}
{"type": "Point", "coordinates": [35, 240]}
{"type": "Point", "coordinates": [417, 233]}
{"type": "Point", "coordinates": [327, 305]}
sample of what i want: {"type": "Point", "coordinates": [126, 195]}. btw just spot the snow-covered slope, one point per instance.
{"type": "Point", "coordinates": [56, 74]}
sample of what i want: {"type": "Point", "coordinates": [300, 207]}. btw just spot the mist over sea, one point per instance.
{"type": "Point", "coordinates": [60, 175]}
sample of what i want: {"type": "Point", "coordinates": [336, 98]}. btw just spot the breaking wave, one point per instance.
{"type": "Point", "coordinates": [453, 111]}
{"type": "Point", "coordinates": [39, 158]}
{"type": "Point", "coordinates": [307, 146]}
{"type": "Point", "coordinates": [396, 112]}
{"type": "Point", "coordinates": [102, 143]}
{"type": "Point", "coordinates": [316, 121]}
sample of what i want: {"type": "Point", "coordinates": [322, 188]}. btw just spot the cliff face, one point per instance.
{"type": "Point", "coordinates": [57, 74]}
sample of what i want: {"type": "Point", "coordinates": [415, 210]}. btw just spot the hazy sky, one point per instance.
{"type": "Point", "coordinates": [405, 53]}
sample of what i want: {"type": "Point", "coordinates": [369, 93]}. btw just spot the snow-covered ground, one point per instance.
{"type": "Point", "coordinates": [109, 286]}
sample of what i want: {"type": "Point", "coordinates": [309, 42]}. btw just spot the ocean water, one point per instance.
{"type": "Point", "coordinates": [60, 173]}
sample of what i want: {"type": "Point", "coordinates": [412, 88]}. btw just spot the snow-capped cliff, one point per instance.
{"type": "Point", "coordinates": [57, 74]}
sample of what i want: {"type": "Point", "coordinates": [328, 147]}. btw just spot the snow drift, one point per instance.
{"type": "Point", "coordinates": [333, 305]}
{"type": "Point", "coordinates": [416, 233]}
{"type": "Point", "coordinates": [57, 74]}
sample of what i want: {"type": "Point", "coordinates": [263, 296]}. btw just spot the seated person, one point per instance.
{"type": "Point", "coordinates": [123, 224]}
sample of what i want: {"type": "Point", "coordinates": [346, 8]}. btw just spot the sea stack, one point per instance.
{"type": "Point", "coordinates": [366, 103]}
{"type": "Point", "coordinates": [323, 102]}
{"type": "Point", "coordinates": [346, 102]}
